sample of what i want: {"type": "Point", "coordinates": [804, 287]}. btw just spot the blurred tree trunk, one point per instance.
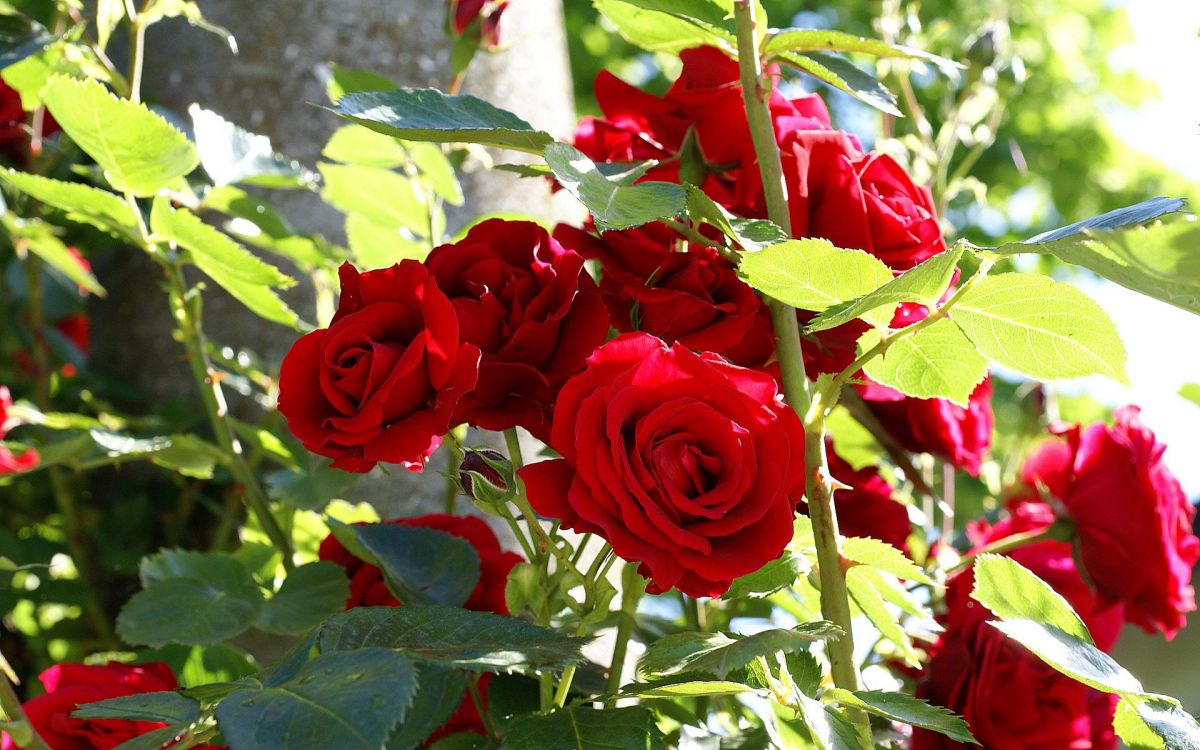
{"type": "Point", "coordinates": [271, 88]}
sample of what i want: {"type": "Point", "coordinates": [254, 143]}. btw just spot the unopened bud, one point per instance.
{"type": "Point", "coordinates": [486, 477]}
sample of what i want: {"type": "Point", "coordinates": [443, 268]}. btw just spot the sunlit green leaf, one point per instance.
{"type": "Point", "coordinates": [937, 361]}
{"type": "Point", "coordinates": [905, 709]}
{"type": "Point", "coordinates": [812, 274]}
{"type": "Point", "coordinates": [612, 204]}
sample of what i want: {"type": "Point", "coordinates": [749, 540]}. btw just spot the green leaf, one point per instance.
{"type": "Point", "coordinates": [861, 585]}
{"type": "Point", "coordinates": [85, 203]}
{"type": "Point", "coordinates": [826, 40]}
{"type": "Point", "coordinates": [707, 11]}
{"type": "Point", "coordinates": [830, 730]}
{"type": "Point", "coordinates": [234, 268]}
{"type": "Point", "coordinates": [612, 204]}
{"type": "Point", "coordinates": [1071, 655]}
{"type": "Point", "coordinates": [1132, 730]}
{"type": "Point", "coordinates": [885, 557]}
{"type": "Point", "coordinates": [1190, 391]}
{"type": "Point", "coordinates": [812, 274]}
{"type": "Point", "coordinates": [924, 283]}
{"type": "Point", "coordinates": [436, 170]}
{"type": "Point", "coordinates": [1012, 591]}
{"type": "Point", "coordinates": [844, 75]}
{"type": "Point", "coordinates": [385, 197]}
{"type": "Point", "coordinates": [430, 115]}
{"type": "Point", "coordinates": [344, 81]}
{"type": "Point", "coordinates": [440, 692]}
{"type": "Point", "coordinates": [580, 728]}
{"type": "Point", "coordinates": [21, 37]}
{"type": "Point", "coordinates": [185, 454]}
{"type": "Point", "coordinates": [155, 739]}
{"type": "Point", "coordinates": [937, 361]}
{"type": "Point", "coordinates": [905, 709]}
{"type": "Point", "coordinates": [230, 154]}
{"type": "Point", "coordinates": [774, 576]}
{"type": "Point", "coordinates": [139, 151]}
{"type": "Point", "coordinates": [1128, 216]}
{"type": "Point", "coordinates": [350, 701]}
{"type": "Point", "coordinates": [421, 566]}
{"type": "Point", "coordinates": [355, 144]}
{"type": "Point", "coordinates": [109, 14]}
{"type": "Point", "coordinates": [373, 245]}
{"type": "Point", "coordinates": [477, 641]}
{"type": "Point", "coordinates": [40, 239]}
{"type": "Point", "coordinates": [672, 689]}
{"type": "Point", "coordinates": [311, 488]}
{"type": "Point", "coordinates": [1040, 327]}
{"type": "Point", "coordinates": [215, 611]}
{"type": "Point", "coordinates": [308, 595]}
{"type": "Point", "coordinates": [657, 31]}
{"type": "Point", "coordinates": [751, 234]}
{"type": "Point", "coordinates": [168, 707]}
{"type": "Point", "coordinates": [1159, 260]}
{"type": "Point", "coordinates": [1151, 721]}
{"type": "Point", "coordinates": [719, 654]}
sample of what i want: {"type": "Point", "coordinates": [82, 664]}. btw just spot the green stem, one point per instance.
{"type": "Point", "coordinates": [633, 586]}
{"type": "Point", "coordinates": [1059, 530]}
{"type": "Point", "coordinates": [15, 713]}
{"type": "Point", "coordinates": [545, 545]}
{"type": "Point", "coordinates": [477, 699]}
{"type": "Point", "coordinates": [690, 234]}
{"type": "Point", "coordinates": [454, 461]}
{"type": "Point", "coordinates": [564, 686]}
{"type": "Point", "coordinates": [137, 55]}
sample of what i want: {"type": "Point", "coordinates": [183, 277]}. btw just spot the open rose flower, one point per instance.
{"type": "Point", "coordinates": [1132, 521]}
{"type": "Point", "coordinates": [383, 381]}
{"type": "Point", "coordinates": [694, 297]}
{"type": "Point", "coordinates": [957, 435]}
{"type": "Point", "coordinates": [533, 311]}
{"type": "Point", "coordinates": [683, 462]}
{"type": "Point", "coordinates": [11, 463]}
{"type": "Point", "coordinates": [69, 686]}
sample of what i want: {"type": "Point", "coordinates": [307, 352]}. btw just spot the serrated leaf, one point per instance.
{"type": "Point", "coordinates": [39, 238]}
{"type": "Point", "coordinates": [234, 268]}
{"type": "Point", "coordinates": [662, 32]}
{"type": "Point", "coordinates": [478, 641]}
{"type": "Point", "coordinates": [885, 557]}
{"type": "Point", "coordinates": [1132, 730]}
{"type": "Point", "coordinates": [308, 595]}
{"type": "Point", "coordinates": [1151, 722]}
{"type": "Point", "coordinates": [20, 37]}
{"type": "Point", "coordinates": [154, 616]}
{"type": "Point", "coordinates": [924, 283]}
{"type": "Point", "coordinates": [861, 586]}
{"type": "Point", "coordinates": [829, 729]}
{"type": "Point", "coordinates": [232, 155]}
{"type": "Point", "coordinates": [139, 151]}
{"type": "Point", "coordinates": [719, 654]}
{"type": "Point", "coordinates": [1040, 327]}
{"type": "Point", "coordinates": [812, 274]}
{"type": "Point", "coordinates": [751, 234]}
{"type": "Point", "coordinates": [774, 576]}
{"type": "Point", "coordinates": [440, 693]}
{"type": "Point", "coordinates": [938, 361]}
{"type": "Point", "coordinates": [905, 709]}
{"type": "Point", "coordinates": [386, 198]}
{"type": "Point", "coordinates": [1127, 216]}
{"type": "Point", "coordinates": [827, 40]}
{"type": "Point", "coordinates": [156, 739]}
{"type": "Point", "coordinates": [349, 700]}
{"type": "Point", "coordinates": [168, 707]}
{"type": "Point", "coordinates": [612, 204]}
{"type": "Point", "coordinates": [844, 75]}
{"type": "Point", "coordinates": [581, 728]}
{"type": "Point", "coordinates": [85, 203]}
{"type": "Point", "coordinates": [421, 566]}
{"type": "Point", "coordinates": [312, 487]}
{"type": "Point", "coordinates": [1071, 655]}
{"type": "Point", "coordinates": [430, 115]}
{"type": "Point", "coordinates": [1011, 591]}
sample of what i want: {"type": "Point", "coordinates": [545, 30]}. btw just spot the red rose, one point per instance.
{"type": "Point", "coordinates": [533, 311]}
{"type": "Point", "coordinates": [464, 12]}
{"type": "Point", "coordinates": [867, 508]}
{"type": "Point", "coordinates": [11, 463]}
{"type": "Point", "coordinates": [382, 382]}
{"type": "Point", "coordinates": [937, 426]}
{"type": "Point", "coordinates": [16, 128]}
{"type": "Point", "coordinates": [367, 588]}
{"type": "Point", "coordinates": [69, 686]}
{"type": "Point", "coordinates": [692, 297]}
{"type": "Point", "coordinates": [683, 462]}
{"type": "Point", "coordinates": [1010, 698]}
{"type": "Point", "coordinates": [1132, 520]}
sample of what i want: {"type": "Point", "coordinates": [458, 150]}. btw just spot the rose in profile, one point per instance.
{"type": "Point", "coordinates": [682, 462]}
{"type": "Point", "coordinates": [1132, 521]}
{"type": "Point", "coordinates": [383, 381]}
{"type": "Point", "coordinates": [531, 308]}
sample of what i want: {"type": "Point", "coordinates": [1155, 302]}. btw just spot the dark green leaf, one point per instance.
{"type": "Point", "coordinates": [308, 595]}
{"type": "Point", "coordinates": [1128, 216]}
{"type": "Point", "coordinates": [842, 74]}
{"type": "Point", "coordinates": [350, 701]}
{"type": "Point", "coordinates": [40, 239]}
{"type": "Point", "coordinates": [422, 566]}
{"type": "Point", "coordinates": [168, 707]}
{"type": "Point", "coordinates": [438, 696]}
{"type": "Point", "coordinates": [155, 739]}
{"type": "Point", "coordinates": [477, 641]}
{"type": "Point", "coordinates": [20, 37]}
{"type": "Point", "coordinates": [719, 654]}
{"type": "Point", "coordinates": [232, 155]}
{"type": "Point", "coordinates": [430, 115]}
{"type": "Point", "coordinates": [581, 728]}
{"type": "Point", "coordinates": [772, 577]}
{"type": "Point", "coordinates": [612, 204]}
{"type": "Point", "coordinates": [313, 487]}
{"type": "Point", "coordinates": [906, 710]}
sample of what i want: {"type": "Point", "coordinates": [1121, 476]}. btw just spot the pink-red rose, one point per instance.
{"type": "Point", "coordinates": [383, 381]}
{"type": "Point", "coordinates": [69, 686]}
{"type": "Point", "coordinates": [682, 462]}
{"type": "Point", "coordinates": [533, 311]}
{"type": "Point", "coordinates": [11, 463]}
{"type": "Point", "coordinates": [1132, 521]}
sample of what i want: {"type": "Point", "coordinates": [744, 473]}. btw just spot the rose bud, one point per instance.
{"type": "Point", "coordinates": [486, 477]}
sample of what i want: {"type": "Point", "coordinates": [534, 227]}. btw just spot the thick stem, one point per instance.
{"type": "Point", "coordinates": [11, 706]}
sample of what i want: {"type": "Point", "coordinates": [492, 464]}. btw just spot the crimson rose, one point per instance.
{"type": "Point", "coordinates": [533, 311]}
{"type": "Point", "coordinates": [942, 428]}
{"type": "Point", "coordinates": [683, 462]}
{"type": "Point", "coordinates": [867, 508]}
{"type": "Point", "coordinates": [382, 382]}
{"type": "Point", "coordinates": [1132, 520]}
{"type": "Point", "coordinates": [11, 463]}
{"type": "Point", "coordinates": [69, 686]}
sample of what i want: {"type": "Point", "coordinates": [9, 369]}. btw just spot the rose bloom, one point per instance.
{"type": "Point", "coordinates": [69, 686]}
{"type": "Point", "coordinates": [682, 462]}
{"type": "Point", "coordinates": [11, 463]}
{"type": "Point", "coordinates": [960, 436]}
{"type": "Point", "coordinates": [16, 126]}
{"type": "Point", "coordinates": [367, 588]}
{"type": "Point", "coordinates": [531, 308]}
{"type": "Point", "coordinates": [868, 508]}
{"type": "Point", "coordinates": [1011, 699]}
{"type": "Point", "coordinates": [1132, 521]}
{"type": "Point", "coordinates": [464, 12]}
{"type": "Point", "coordinates": [383, 381]}
{"type": "Point", "coordinates": [694, 297]}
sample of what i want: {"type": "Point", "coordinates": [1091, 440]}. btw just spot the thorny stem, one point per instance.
{"type": "Point", "coordinates": [10, 704]}
{"type": "Point", "coordinates": [835, 603]}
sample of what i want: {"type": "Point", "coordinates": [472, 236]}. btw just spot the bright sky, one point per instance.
{"type": "Point", "coordinates": [1161, 340]}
